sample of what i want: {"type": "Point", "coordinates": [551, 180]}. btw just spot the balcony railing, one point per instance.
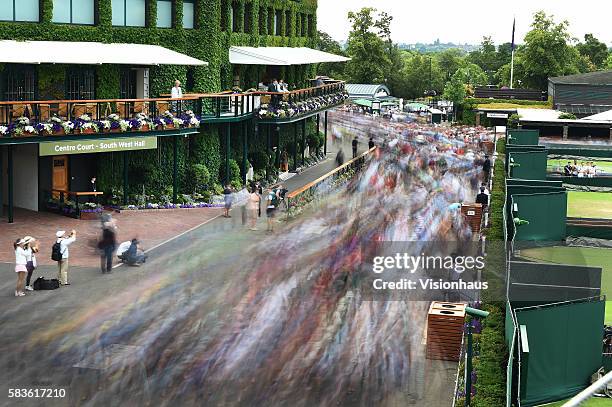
{"type": "Point", "coordinates": [61, 117]}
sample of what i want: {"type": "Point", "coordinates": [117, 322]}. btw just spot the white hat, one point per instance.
{"type": "Point", "coordinates": [60, 233]}
{"type": "Point", "coordinates": [28, 239]}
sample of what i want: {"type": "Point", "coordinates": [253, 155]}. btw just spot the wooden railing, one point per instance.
{"type": "Point", "coordinates": [310, 190]}
{"type": "Point", "coordinates": [205, 106]}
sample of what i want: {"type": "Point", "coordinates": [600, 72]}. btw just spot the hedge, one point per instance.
{"type": "Point", "coordinates": [491, 364]}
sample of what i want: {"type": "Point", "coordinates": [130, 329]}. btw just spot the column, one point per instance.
{"type": "Point", "coordinates": [318, 126]}
{"type": "Point", "coordinates": [175, 169]}
{"type": "Point", "coordinates": [610, 140]}
{"type": "Point", "coordinates": [245, 149]}
{"type": "Point", "coordinates": [10, 182]}
{"type": "Point", "coordinates": [268, 150]}
{"type": "Point", "coordinates": [228, 149]}
{"type": "Point", "coordinates": [295, 147]}
{"type": "Point", "coordinates": [1, 183]}
{"type": "Point", "coordinates": [477, 119]}
{"type": "Point", "coordinates": [325, 132]}
{"type": "Point", "coordinates": [303, 140]}
{"type": "Point", "coordinates": [565, 132]}
{"type": "Point", "coordinates": [125, 178]}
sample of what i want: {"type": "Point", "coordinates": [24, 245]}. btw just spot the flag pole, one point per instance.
{"type": "Point", "coordinates": [512, 60]}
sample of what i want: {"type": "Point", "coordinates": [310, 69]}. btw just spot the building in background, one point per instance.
{"type": "Point", "coordinates": [583, 94]}
{"type": "Point", "coordinates": [83, 55]}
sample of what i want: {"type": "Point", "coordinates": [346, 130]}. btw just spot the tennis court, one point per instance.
{"type": "Point", "coordinates": [595, 205]}
{"type": "Point", "coordinates": [579, 256]}
{"type": "Point", "coordinates": [605, 166]}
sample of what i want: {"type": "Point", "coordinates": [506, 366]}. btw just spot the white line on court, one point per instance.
{"type": "Point", "coordinates": [173, 238]}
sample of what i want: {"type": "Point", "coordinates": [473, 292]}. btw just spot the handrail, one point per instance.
{"type": "Point", "coordinates": [90, 193]}
{"type": "Point", "coordinates": [84, 101]}
{"type": "Point", "coordinates": [329, 174]}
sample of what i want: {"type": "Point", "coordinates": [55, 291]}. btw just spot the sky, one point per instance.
{"type": "Point", "coordinates": [469, 20]}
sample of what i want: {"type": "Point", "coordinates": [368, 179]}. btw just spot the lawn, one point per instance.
{"type": "Point", "coordinates": [580, 256]}
{"type": "Point", "coordinates": [510, 106]}
{"type": "Point", "coordinates": [605, 166]}
{"type": "Point", "coordinates": [592, 402]}
{"type": "Point", "coordinates": [597, 205]}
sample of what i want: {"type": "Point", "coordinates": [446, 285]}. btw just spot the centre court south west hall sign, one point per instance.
{"type": "Point", "coordinates": [101, 145]}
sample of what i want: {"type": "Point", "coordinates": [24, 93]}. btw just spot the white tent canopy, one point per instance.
{"type": "Point", "coordinates": [90, 53]}
{"type": "Point", "coordinates": [280, 56]}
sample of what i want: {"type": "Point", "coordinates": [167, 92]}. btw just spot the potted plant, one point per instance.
{"type": "Point", "coordinates": [4, 131]}
{"type": "Point", "coordinates": [57, 127]}
{"type": "Point", "coordinates": [90, 211]}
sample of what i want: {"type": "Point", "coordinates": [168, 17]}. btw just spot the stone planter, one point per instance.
{"type": "Point", "coordinates": [89, 215]}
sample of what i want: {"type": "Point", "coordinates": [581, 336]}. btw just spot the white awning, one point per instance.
{"type": "Point", "coordinates": [90, 53]}
{"type": "Point", "coordinates": [280, 56]}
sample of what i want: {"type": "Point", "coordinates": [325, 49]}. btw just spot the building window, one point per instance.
{"type": "Point", "coordinates": [271, 21]}
{"type": "Point", "coordinates": [20, 10]}
{"type": "Point", "coordinates": [73, 12]}
{"type": "Point", "coordinates": [127, 83]}
{"type": "Point", "coordinates": [20, 83]}
{"type": "Point", "coordinates": [304, 31]}
{"type": "Point", "coordinates": [224, 16]}
{"type": "Point", "coordinates": [129, 13]}
{"type": "Point", "coordinates": [164, 13]}
{"type": "Point", "coordinates": [288, 23]}
{"type": "Point", "coordinates": [235, 20]}
{"type": "Point", "coordinates": [188, 14]}
{"type": "Point", "coordinates": [278, 17]}
{"type": "Point", "coordinates": [263, 24]}
{"type": "Point", "coordinates": [81, 84]}
{"type": "Point", "coordinates": [248, 17]}
{"type": "Point", "coordinates": [311, 28]}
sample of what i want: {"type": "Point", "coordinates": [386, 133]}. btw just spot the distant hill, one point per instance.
{"type": "Point", "coordinates": [438, 46]}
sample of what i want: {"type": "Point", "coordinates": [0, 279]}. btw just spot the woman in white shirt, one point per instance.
{"type": "Point", "coordinates": [176, 92]}
{"type": "Point", "coordinates": [21, 259]}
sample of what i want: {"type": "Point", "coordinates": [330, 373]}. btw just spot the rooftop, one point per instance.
{"type": "Point", "coordinates": [591, 78]}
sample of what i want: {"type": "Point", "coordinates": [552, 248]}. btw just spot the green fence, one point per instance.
{"type": "Point", "coordinates": [528, 165]}
{"type": "Point", "coordinates": [523, 136]}
{"type": "Point", "coordinates": [560, 347]}
{"type": "Point", "coordinates": [546, 214]}
{"type": "Point", "coordinates": [596, 182]}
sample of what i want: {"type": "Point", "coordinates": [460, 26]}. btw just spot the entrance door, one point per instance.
{"type": "Point", "coordinates": [60, 174]}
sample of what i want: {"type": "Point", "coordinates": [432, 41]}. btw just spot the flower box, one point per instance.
{"type": "Point", "coordinates": [88, 131]}
{"type": "Point", "coordinates": [59, 132]}
{"type": "Point", "coordinates": [170, 126]}
{"type": "Point", "coordinates": [145, 127]}
{"type": "Point", "coordinates": [117, 130]}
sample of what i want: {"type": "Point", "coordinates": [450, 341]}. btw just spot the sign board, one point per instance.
{"type": "Point", "coordinates": [471, 213]}
{"type": "Point", "coordinates": [100, 145]}
{"type": "Point", "coordinates": [497, 115]}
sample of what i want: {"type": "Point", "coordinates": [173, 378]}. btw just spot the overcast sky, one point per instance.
{"type": "Point", "coordinates": [467, 21]}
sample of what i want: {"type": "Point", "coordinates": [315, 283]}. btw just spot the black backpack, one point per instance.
{"type": "Point", "coordinates": [43, 284]}
{"type": "Point", "coordinates": [56, 252]}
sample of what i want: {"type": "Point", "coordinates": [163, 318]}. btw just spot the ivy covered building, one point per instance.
{"type": "Point", "coordinates": [207, 31]}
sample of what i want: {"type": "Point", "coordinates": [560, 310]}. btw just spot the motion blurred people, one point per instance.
{"type": "Point", "coordinates": [340, 158]}
{"type": "Point", "coordinates": [229, 199]}
{"type": "Point", "coordinates": [355, 145]}
{"type": "Point", "coordinates": [107, 246]}
{"type": "Point", "coordinates": [252, 208]}
{"type": "Point", "coordinates": [272, 206]}
{"type": "Point", "coordinates": [486, 168]}
{"type": "Point", "coordinates": [482, 198]}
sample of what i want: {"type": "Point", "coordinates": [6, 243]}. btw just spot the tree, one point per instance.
{"type": "Point", "coordinates": [595, 50]}
{"type": "Point", "coordinates": [486, 57]}
{"type": "Point", "coordinates": [420, 73]}
{"type": "Point", "coordinates": [608, 64]}
{"type": "Point", "coordinates": [450, 60]}
{"type": "Point", "coordinates": [455, 92]}
{"type": "Point", "coordinates": [368, 50]}
{"type": "Point", "coordinates": [326, 43]}
{"type": "Point", "coordinates": [546, 51]}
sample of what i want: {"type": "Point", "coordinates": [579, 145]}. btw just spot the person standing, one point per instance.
{"type": "Point", "coordinates": [371, 143]}
{"type": "Point", "coordinates": [271, 208]}
{"type": "Point", "coordinates": [21, 261]}
{"type": "Point", "coordinates": [31, 249]}
{"type": "Point", "coordinates": [64, 242]}
{"type": "Point", "coordinates": [107, 246]}
{"type": "Point", "coordinates": [176, 93]}
{"type": "Point", "coordinates": [486, 168]}
{"type": "Point", "coordinates": [355, 145]}
{"type": "Point", "coordinates": [252, 208]}
{"type": "Point", "coordinates": [482, 198]}
{"type": "Point", "coordinates": [228, 198]}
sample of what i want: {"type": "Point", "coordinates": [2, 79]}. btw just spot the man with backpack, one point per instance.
{"type": "Point", "coordinates": [61, 254]}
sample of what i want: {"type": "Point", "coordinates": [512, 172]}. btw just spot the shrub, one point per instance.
{"type": "Point", "coordinates": [567, 116]}
{"type": "Point", "coordinates": [513, 120]}
{"type": "Point", "coordinates": [234, 172]}
{"type": "Point", "coordinates": [199, 177]}
{"type": "Point", "coordinates": [259, 160]}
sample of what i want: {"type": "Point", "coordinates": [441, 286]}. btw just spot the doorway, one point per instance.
{"type": "Point", "coordinates": [59, 174]}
